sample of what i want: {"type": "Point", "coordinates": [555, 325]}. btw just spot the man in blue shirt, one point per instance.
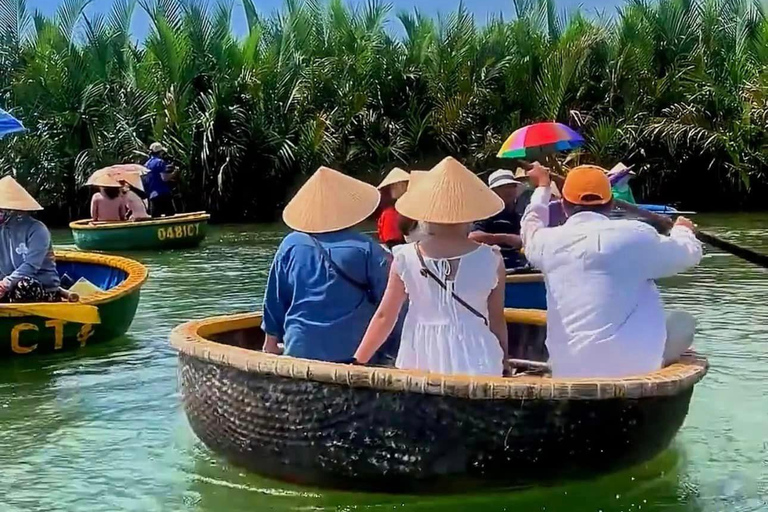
{"type": "Point", "coordinates": [156, 182]}
{"type": "Point", "coordinates": [503, 229]}
{"type": "Point", "coordinates": [326, 279]}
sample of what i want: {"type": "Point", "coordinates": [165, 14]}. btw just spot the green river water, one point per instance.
{"type": "Point", "coordinates": [103, 430]}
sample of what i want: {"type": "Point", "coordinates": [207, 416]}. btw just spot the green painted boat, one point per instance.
{"type": "Point", "coordinates": [121, 279]}
{"type": "Point", "coordinates": [175, 232]}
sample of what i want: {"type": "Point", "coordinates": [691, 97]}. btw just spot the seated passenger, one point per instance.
{"type": "Point", "coordinates": [605, 316]}
{"type": "Point", "coordinates": [135, 209]}
{"type": "Point", "coordinates": [503, 229]}
{"type": "Point", "coordinates": [454, 286]}
{"type": "Point", "coordinates": [107, 205]}
{"type": "Point", "coordinates": [326, 279]}
{"type": "Point", "coordinates": [27, 266]}
{"type": "Point", "coordinates": [388, 224]}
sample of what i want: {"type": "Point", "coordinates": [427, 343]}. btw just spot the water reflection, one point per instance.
{"type": "Point", "coordinates": [102, 430]}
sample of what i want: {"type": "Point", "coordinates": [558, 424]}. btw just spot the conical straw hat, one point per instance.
{"type": "Point", "coordinates": [130, 173]}
{"type": "Point", "coordinates": [14, 197]}
{"type": "Point", "coordinates": [103, 178]}
{"type": "Point", "coordinates": [330, 201]}
{"type": "Point", "coordinates": [396, 175]}
{"type": "Point", "coordinates": [449, 194]}
{"type": "Point", "coordinates": [416, 177]}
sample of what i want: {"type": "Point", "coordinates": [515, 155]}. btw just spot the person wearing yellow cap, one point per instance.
{"type": "Point", "coordinates": [27, 267]}
{"type": "Point", "coordinates": [388, 226]}
{"type": "Point", "coordinates": [454, 286]}
{"type": "Point", "coordinates": [605, 316]}
{"type": "Point", "coordinates": [326, 279]}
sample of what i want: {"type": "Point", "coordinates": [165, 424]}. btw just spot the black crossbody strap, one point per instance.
{"type": "Point", "coordinates": [337, 269]}
{"type": "Point", "coordinates": [426, 272]}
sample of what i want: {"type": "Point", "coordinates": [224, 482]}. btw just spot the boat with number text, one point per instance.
{"type": "Point", "coordinates": [392, 430]}
{"type": "Point", "coordinates": [115, 284]}
{"type": "Point", "coordinates": [183, 230]}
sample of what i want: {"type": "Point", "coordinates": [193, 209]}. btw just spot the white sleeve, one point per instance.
{"type": "Point", "coordinates": [673, 254]}
{"type": "Point", "coordinates": [535, 219]}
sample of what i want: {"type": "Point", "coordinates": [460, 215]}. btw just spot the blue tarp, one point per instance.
{"type": "Point", "coordinates": [9, 124]}
{"type": "Point", "coordinates": [102, 276]}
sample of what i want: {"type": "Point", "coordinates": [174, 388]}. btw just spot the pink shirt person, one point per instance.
{"type": "Point", "coordinates": [107, 209]}
{"type": "Point", "coordinates": [134, 205]}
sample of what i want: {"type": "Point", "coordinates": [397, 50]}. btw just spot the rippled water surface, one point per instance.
{"type": "Point", "coordinates": [102, 429]}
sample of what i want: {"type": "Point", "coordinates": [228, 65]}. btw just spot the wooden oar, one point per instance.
{"type": "Point", "coordinates": [667, 223]}
{"type": "Point", "coordinates": [67, 311]}
{"type": "Point", "coordinates": [708, 238]}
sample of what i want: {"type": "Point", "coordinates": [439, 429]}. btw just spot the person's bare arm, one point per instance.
{"type": "Point", "coordinates": [271, 345]}
{"type": "Point", "coordinates": [497, 323]}
{"type": "Point", "coordinates": [506, 240]}
{"type": "Point", "coordinates": [384, 319]}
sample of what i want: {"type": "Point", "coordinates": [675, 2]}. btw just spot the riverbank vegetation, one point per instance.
{"type": "Point", "coordinates": [678, 88]}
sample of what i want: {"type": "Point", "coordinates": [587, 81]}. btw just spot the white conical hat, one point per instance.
{"type": "Point", "coordinates": [14, 197]}
{"type": "Point", "coordinates": [449, 194]}
{"type": "Point", "coordinates": [330, 201]}
{"type": "Point", "coordinates": [396, 175]}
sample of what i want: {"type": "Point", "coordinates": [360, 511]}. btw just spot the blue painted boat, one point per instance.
{"type": "Point", "coordinates": [525, 291]}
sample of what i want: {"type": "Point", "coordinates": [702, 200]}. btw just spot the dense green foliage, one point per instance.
{"type": "Point", "coordinates": [679, 88]}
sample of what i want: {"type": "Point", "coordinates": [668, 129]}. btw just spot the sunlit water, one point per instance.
{"type": "Point", "coordinates": [102, 429]}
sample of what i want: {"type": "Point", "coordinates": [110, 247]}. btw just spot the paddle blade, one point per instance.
{"type": "Point", "coordinates": [741, 252]}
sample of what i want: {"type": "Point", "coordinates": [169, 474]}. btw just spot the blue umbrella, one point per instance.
{"type": "Point", "coordinates": [9, 124]}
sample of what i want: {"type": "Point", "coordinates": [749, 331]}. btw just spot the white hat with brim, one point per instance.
{"type": "Point", "coordinates": [14, 197]}
{"type": "Point", "coordinates": [396, 175]}
{"type": "Point", "coordinates": [449, 194]}
{"type": "Point", "coordinates": [330, 201]}
{"type": "Point", "coordinates": [157, 147]}
{"type": "Point", "coordinates": [502, 177]}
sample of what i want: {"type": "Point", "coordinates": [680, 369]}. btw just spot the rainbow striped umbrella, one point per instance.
{"type": "Point", "coordinates": [540, 139]}
{"type": "Point", "coordinates": [9, 124]}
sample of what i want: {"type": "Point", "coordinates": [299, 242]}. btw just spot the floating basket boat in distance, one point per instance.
{"type": "Point", "coordinates": [177, 231]}
{"type": "Point", "coordinates": [23, 333]}
{"type": "Point", "coordinates": [392, 430]}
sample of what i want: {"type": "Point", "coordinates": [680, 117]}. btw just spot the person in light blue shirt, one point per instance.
{"type": "Point", "coordinates": [27, 266]}
{"type": "Point", "coordinates": [326, 279]}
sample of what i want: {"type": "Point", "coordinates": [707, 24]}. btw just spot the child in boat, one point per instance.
{"type": "Point", "coordinates": [27, 265]}
{"type": "Point", "coordinates": [107, 205]}
{"type": "Point", "coordinates": [388, 223]}
{"type": "Point", "coordinates": [454, 286]}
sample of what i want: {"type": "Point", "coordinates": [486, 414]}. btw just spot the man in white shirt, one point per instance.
{"type": "Point", "coordinates": [605, 317]}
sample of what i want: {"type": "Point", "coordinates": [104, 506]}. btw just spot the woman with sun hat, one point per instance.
{"type": "Point", "coordinates": [454, 286]}
{"type": "Point", "coordinates": [27, 267]}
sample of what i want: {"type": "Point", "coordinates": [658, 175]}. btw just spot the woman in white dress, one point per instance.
{"type": "Point", "coordinates": [454, 286]}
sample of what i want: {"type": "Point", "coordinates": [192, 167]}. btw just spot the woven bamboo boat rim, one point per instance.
{"type": "Point", "coordinates": [191, 339]}
{"type": "Point", "coordinates": [181, 218]}
{"type": "Point", "coordinates": [525, 278]}
{"type": "Point", "coordinates": [137, 275]}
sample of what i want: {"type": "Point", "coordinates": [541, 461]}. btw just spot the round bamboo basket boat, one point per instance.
{"type": "Point", "coordinates": [24, 332]}
{"type": "Point", "coordinates": [174, 232]}
{"type": "Point", "coordinates": [391, 430]}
